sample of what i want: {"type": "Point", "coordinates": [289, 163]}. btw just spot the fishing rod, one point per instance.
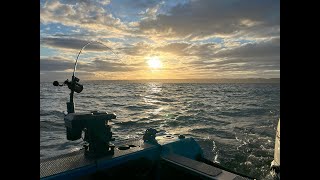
{"type": "Point", "coordinates": [75, 64]}
{"type": "Point", "coordinates": [74, 84]}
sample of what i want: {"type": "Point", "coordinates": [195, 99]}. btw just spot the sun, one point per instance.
{"type": "Point", "coordinates": [154, 62]}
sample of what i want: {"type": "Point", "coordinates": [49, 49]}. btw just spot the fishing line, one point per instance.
{"type": "Point", "coordinates": [75, 64]}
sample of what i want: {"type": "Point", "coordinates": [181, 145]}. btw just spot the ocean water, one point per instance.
{"type": "Point", "coordinates": [235, 124]}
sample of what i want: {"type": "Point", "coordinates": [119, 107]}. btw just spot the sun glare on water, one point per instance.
{"type": "Point", "coordinates": [154, 62]}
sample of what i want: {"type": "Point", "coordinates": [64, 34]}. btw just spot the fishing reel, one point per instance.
{"type": "Point", "coordinates": [97, 132]}
{"type": "Point", "coordinates": [72, 85]}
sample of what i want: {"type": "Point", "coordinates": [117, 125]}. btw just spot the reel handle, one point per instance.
{"type": "Point", "coordinates": [56, 83]}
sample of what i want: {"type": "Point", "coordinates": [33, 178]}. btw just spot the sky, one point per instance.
{"type": "Point", "coordinates": [159, 39]}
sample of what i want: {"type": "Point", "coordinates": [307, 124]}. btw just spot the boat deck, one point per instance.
{"type": "Point", "coordinates": [172, 157]}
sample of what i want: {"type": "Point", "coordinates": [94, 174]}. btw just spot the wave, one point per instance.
{"type": "Point", "coordinates": [235, 124]}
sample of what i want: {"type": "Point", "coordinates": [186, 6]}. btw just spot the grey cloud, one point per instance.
{"type": "Point", "coordinates": [269, 48]}
{"type": "Point", "coordinates": [99, 65]}
{"type": "Point", "coordinates": [200, 62]}
{"type": "Point", "coordinates": [210, 17]}
{"type": "Point", "coordinates": [55, 64]}
{"type": "Point", "coordinates": [71, 43]}
{"type": "Point", "coordinates": [140, 3]}
{"type": "Point", "coordinates": [224, 66]}
{"type": "Point", "coordinates": [187, 49]}
{"type": "Point", "coordinates": [50, 76]}
{"type": "Point", "coordinates": [138, 49]}
{"type": "Point", "coordinates": [249, 57]}
{"type": "Point", "coordinates": [244, 67]}
{"type": "Point", "coordinates": [203, 50]}
{"type": "Point", "coordinates": [254, 60]}
{"type": "Point", "coordinates": [259, 52]}
{"type": "Point", "coordinates": [175, 48]}
{"type": "Point", "coordinates": [59, 64]}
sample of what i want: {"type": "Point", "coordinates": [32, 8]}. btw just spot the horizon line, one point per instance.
{"type": "Point", "coordinates": [232, 80]}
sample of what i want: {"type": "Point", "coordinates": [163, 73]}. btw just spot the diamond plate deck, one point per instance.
{"type": "Point", "coordinates": [76, 160]}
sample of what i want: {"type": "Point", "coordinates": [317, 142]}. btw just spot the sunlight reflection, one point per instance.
{"type": "Point", "coordinates": [153, 93]}
{"type": "Point", "coordinates": [154, 87]}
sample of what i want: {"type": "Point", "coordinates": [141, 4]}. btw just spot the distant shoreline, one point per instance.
{"type": "Point", "coordinates": [249, 80]}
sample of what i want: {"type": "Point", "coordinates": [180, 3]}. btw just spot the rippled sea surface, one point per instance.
{"type": "Point", "coordinates": [235, 124]}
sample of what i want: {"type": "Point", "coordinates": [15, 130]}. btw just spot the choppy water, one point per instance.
{"type": "Point", "coordinates": [234, 123]}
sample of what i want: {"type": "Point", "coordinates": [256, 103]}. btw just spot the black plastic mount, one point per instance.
{"type": "Point", "coordinates": [97, 132]}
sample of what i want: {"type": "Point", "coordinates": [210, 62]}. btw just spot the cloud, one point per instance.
{"type": "Point", "coordinates": [50, 76]}
{"type": "Point", "coordinates": [71, 43]}
{"type": "Point", "coordinates": [202, 50]}
{"type": "Point", "coordinates": [260, 56]}
{"type": "Point", "coordinates": [139, 3]}
{"type": "Point", "coordinates": [254, 56]}
{"type": "Point", "coordinates": [97, 65]}
{"type": "Point", "coordinates": [214, 17]}
{"type": "Point", "coordinates": [179, 49]}
{"type": "Point", "coordinates": [85, 14]}
{"type": "Point", "coordinates": [194, 38]}
{"type": "Point", "coordinates": [269, 48]}
{"type": "Point", "coordinates": [137, 49]}
{"type": "Point", "coordinates": [55, 64]}
{"type": "Point", "coordinates": [151, 12]}
{"type": "Point", "coordinates": [105, 2]}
